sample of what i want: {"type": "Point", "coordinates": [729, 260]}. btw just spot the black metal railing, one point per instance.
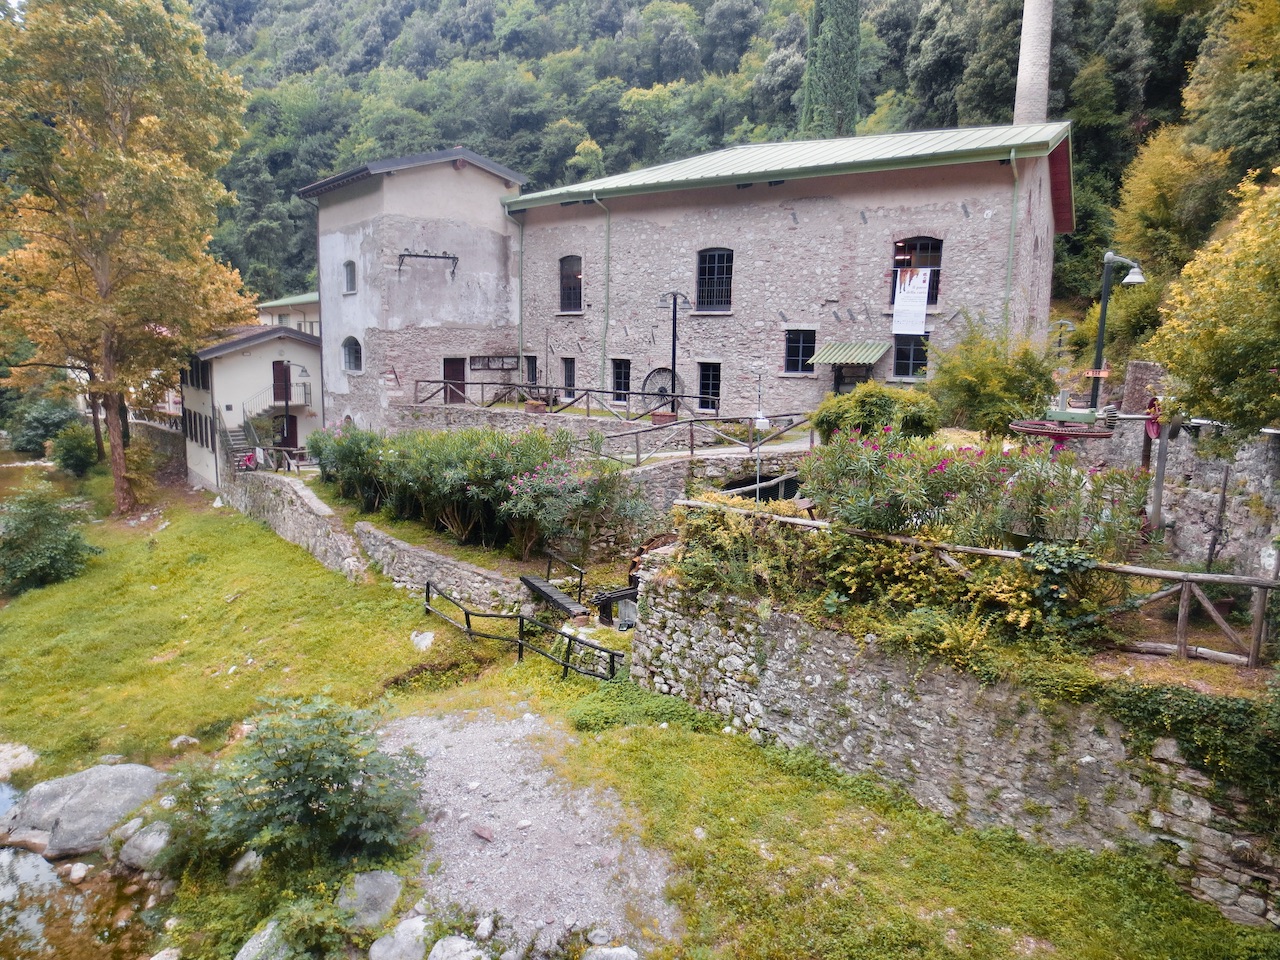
{"type": "Point", "coordinates": [568, 650]}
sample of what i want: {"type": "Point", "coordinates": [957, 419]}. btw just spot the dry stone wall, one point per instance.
{"type": "Point", "coordinates": [412, 566]}
{"type": "Point", "coordinates": [983, 756]}
{"type": "Point", "coordinates": [295, 513]}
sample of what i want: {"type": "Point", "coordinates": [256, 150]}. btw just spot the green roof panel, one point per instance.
{"type": "Point", "coordinates": [798, 159]}
{"type": "Point", "coordinates": [854, 351]}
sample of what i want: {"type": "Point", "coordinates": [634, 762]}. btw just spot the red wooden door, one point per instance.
{"type": "Point", "coordinates": [280, 381]}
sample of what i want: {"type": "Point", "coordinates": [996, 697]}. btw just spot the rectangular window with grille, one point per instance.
{"type": "Point", "coordinates": [918, 253]}
{"type": "Point", "coordinates": [709, 386]}
{"type": "Point", "coordinates": [570, 284]}
{"type": "Point", "coordinates": [909, 355]}
{"type": "Point", "coordinates": [570, 369]}
{"type": "Point", "coordinates": [715, 279]}
{"type": "Point", "coordinates": [621, 380]}
{"type": "Point", "coordinates": [801, 345]}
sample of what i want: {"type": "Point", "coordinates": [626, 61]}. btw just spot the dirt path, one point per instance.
{"type": "Point", "coordinates": [513, 841]}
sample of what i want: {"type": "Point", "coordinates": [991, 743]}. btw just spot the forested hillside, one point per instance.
{"type": "Point", "coordinates": [1173, 100]}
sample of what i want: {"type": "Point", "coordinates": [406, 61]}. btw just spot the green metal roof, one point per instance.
{"type": "Point", "coordinates": [855, 351]}
{"type": "Point", "coordinates": [297, 301]}
{"type": "Point", "coordinates": [798, 159]}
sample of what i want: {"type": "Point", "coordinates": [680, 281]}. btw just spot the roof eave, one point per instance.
{"type": "Point", "coordinates": [980, 155]}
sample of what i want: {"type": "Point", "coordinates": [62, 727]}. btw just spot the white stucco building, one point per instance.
{"type": "Point", "coordinates": [269, 375]}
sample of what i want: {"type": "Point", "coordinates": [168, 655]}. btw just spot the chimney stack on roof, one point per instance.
{"type": "Point", "coordinates": [1031, 99]}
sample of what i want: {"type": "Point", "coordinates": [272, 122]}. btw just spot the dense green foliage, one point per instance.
{"type": "Point", "coordinates": [74, 449]}
{"type": "Point", "coordinates": [38, 420]}
{"type": "Point", "coordinates": [1003, 621]}
{"type": "Point", "coordinates": [1221, 335]}
{"type": "Point", "coordinates": [39, 542]}
{"type": "Point", "coordinates": [986, 381]}
{"type": "Point", "coordinates": [308, 784]}
{"type": "Point", "coordinates": [871, 406]}
{"type": "Point", "coordinates": [482, 485]}
{"type": "Point", "coordinates": [572, 90]}
{"type": "Point", "coordinates": [889, 483]}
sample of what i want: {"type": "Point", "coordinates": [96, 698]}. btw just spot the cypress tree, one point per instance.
{"type": "Point", "coordinates": [831, 71]}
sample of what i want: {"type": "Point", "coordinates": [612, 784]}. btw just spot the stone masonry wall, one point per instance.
{"type": "Point", "coordinates": [1193, 484]}
{"type": "Point", "coordinates": [983, 756]}
{"type": "Point", "coordinates": [412, 566]}
{"type": "Point", "coordinates": [167, 443]}
{"type": "Point", "coordinates": [295, 513]}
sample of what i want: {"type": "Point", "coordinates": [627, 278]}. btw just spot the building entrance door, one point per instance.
{"type": "Point", "coordinates": [455, 376]}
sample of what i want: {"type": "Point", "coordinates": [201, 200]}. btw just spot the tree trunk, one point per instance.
{"type": "Point", "coordinates": [94, 401]}
{"type": "Point", "coordinates": [126, 502]}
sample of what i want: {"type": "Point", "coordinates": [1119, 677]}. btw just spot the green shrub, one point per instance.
{"type": "Point", "coordinates": [39, 421]}
{"type": "Point", "coordinates": [620, 703]}
{"type": "Point", "coordinates": [985, 381]}
{"type": "Point", "coordinates": [308, 783]}
{"type": "Point", "coordinates": [74, 449]}
{"type": "Point", "coordinates": [39, 544]}
{"type": "Point", "coordinates": [871, 406]}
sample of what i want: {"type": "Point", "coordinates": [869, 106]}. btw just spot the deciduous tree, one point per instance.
{"type": "Point", "coordinates": [1221, 334]}
{"type": "Point", "coordinates": [114, 122]}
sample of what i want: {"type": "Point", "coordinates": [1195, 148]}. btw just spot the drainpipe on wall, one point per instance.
{"type": "Point", "coordinates": [608, 259]}
{"type": "Point", "coordinates": [1013, 235]}
{"type": "Point", "coordinates": [519, 296]}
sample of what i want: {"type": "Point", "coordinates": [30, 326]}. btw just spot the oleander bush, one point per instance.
{"type": "Point", "coordinates": [872, 406]}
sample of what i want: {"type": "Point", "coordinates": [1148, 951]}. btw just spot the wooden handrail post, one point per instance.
{"type": "Point", "coordinates": [520, 640]}
{"type": "Point", "coordinates": [568, 653]}
{"type": "Point", "coordinates": [1259, 616]}
{"type": "Point", "coordinates": [1184, 613]}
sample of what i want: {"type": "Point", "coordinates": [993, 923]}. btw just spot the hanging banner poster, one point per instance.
{"type": "Point", "coordinates": [910, 299]}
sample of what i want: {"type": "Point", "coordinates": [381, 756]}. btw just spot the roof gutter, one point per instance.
{"type": "Point", "coordinates": [519, 289]}
{"type": "Point", "coordinates": [1013, 235]}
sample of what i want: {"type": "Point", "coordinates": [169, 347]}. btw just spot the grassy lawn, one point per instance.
{"type": "Point", "coordinates": [192, 615]}
{"type": "Point", "coordinates": [776, 856]}
{"type": "Point", "coordinates": [182, 624]}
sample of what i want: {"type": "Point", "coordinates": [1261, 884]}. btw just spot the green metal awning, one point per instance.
{"type": "Point", "coordinates": [851, 351]}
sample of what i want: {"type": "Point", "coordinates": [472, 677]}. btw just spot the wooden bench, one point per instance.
{"type": "Point", "coordinates": [550, 593]}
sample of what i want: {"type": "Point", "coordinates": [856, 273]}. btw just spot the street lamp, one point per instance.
{"type": "Point", "coordinates": [761, 425]}
{"type": "Point", "coordinates": [678, 300]}
{"type": "Point", "coordinates": [1133, 277]}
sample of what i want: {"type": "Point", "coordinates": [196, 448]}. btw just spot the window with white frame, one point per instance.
{"type": "Point", "coordinates": [349, 277]}
{"type": "Point", "coordinates": [352, 355]}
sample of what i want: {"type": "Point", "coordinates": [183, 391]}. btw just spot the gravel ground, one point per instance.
{"type": "Point", "coordinates": [511, 840]}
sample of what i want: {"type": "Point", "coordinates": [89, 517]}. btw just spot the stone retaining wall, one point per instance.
{"type": "Point", "coordinates": [288, 507]}
{"type": "Point", "coordinates": [984, 756]}
{"type": "Point", "coordinates": [412, 566]}
{"type": "Point", "coordinates": [167, 442]}
{"type": "Point", "coordinates": [665, 482]}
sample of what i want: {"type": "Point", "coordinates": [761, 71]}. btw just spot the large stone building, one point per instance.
{"type": "Point", "coordinates": [795, 269]}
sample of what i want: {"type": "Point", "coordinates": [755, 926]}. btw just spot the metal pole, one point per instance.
{"type": "Point", "coordinates": [675, 297]}
{"type": "Point", "coordinates": [1102, 326]}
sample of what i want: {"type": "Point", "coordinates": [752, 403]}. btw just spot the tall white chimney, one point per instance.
{"type": "Point", "coordinates": [1031, 99]}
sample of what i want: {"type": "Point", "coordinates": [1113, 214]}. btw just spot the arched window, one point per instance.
{"type": "Point", "coordinates": [349, 277]}
{"type": "Point", "coordinates": [715, 279]}
{"type": "Point", "coordinates": [917, 253]}
{"type": "Point", "coordinates": [352, 355]}
{"type": "Point", "coordinates": [570, 284]}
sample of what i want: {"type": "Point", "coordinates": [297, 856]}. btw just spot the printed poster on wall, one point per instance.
{"type": "Point", "coordinates": [910, 299]}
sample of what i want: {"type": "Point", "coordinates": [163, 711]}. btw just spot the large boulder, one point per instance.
{"type": "Point", "coordinates": [143, 849]}
{"type": "Point", "coordinates": [407, 942]}
{"type": "Point", "coordinates": [267, 944]}
{"type": "Point", "coordinates": [371, 897]}
{"type": "Point", "coordinates": [77, 812]}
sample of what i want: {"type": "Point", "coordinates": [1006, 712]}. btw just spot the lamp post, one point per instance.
{"type": "Point", "coordinates": [761, 425]}
{"type": "Point", "coordinates": [677, 300]}
{"type": "Point", "coordinates": [1133, 277]}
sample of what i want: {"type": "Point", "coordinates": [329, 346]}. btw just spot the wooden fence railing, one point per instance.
{"type": "Point", "coordinates": [1186, 585]}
